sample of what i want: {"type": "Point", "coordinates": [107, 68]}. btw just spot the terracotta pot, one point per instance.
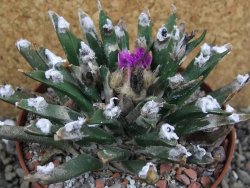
{"type": "Point", "coordinates": [22, 117]}
{"type": "Point", "coordinates": [42, 89]}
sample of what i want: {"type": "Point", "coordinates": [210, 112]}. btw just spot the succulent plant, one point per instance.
{"type": "Point", "coordinates": [138, 106]}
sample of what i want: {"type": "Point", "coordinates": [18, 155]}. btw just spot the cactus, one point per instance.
{"type": "Point", "coordinates": [137, 106]}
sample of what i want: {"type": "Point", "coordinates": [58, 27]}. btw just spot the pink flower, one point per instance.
{"type": "Point", "coordinates": [137, 59]}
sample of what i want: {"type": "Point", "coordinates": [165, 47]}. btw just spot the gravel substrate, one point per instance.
{"type": "Point", "coordinates": [11, 175]}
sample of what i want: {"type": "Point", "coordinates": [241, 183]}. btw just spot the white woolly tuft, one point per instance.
{"type": "Point", "coordinates": [63, 25]}
{"type": "Point", "coordinates": [86, 53]}
{"type": "Point", "coordinates": [206, 49]}
{"type": "Point", "coordinates": [207, 104]}
{"type": "Point", "coordinates": [176, 35]}
{"type": "Point", "coordinates": [229, 108]}
{"type": "Point", "coordinates": [204, 55]}
{"type": "Point", "coordinates": [46, 169]}
{"type": "Point", "coordinates": [111, 111]}
{"type": "Point", "coordinates": [176, 80]}
{"type": "Point", "coordinates": [144, 171]}
{"type": "Point", "coordinates": [86, 22]}
{"type": "Point", "coordinates": [151, 109]}
{"type": "Point", "coordinates": [75, 126]}
{"type": "Point", "coordinates": [167, 132]}
{"type": "Point", "coordinates": [234, 118]}
{"type": "Point", "coordinates": [199, 152]}
{"type": "Point", "coordinates": [179, 151]}
{"type": "Point", "coordinates": [6, 91]}
{"type": "Point", "coordinates": [44, 125]}
{"type": "Point", "coordinates": [108, 25]}
{"type": "Point", "coordinates": [162, 34]}
{"type": "Point", "coordinates": [22, 43]}
{"type": "Point", "coordinates": [38, 103]}
{"type": "Point", "coordinates": [55, 75]}
{"type": "Point", "coordinates": [54, 60]}
{"type": "Point", "coordinates": [221, 49]}
{"type": "Point", "coordinates": [144, 19]}
{"type": "Point", "coordinates": [242, 79]}
{"type": "Point", "coordinates": [119, 32]}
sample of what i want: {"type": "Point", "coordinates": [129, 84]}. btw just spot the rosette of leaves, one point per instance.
{"type": "Point", "coordinates": [137, 106]}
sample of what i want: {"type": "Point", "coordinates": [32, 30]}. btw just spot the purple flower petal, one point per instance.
{"type": "Point", "coordinates": [136, 59]}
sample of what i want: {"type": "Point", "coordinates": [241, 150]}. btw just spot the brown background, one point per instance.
{"type": "Point", "coordinates": [227, 21]}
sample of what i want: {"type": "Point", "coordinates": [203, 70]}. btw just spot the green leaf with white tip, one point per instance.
{"type": "Point", "coordinates": [73, 168]}
{"type": "Point", "coordinates": [188, 126]}
{"type": "Point", "coordinates": [109, 40]}
{"type": "Point", "coordinates": [224, 94]}
{"type": "Point", "coordinates": [113, 124]}
{"type": "Point", "coordinates": [70, 43]}
{"type": "Point", "coordinates": [108, 154]}
{"type": "Point", "coordinates": [134, 166]}
{"type": "Point", "coordinates": [122, 35]}
{"type": "Point", "coordinates": [17, 96]}
{"type": "Point", "coordinates": [68, 89]}
{"type": "Point", "coordinates": [194, 71]}
{"type": "Point", "coordinates": [65, 73]}
{"type": "Point", "coordinates": [90, 34]}
{"type": "Point", "coordinates": [18, 133]}
{"type": "Point", "coordinates": [33, 129]}
{"type": "Point", "coordinates": [192, 111]}
{"type": "Point", "coordinates": [53, 112]}
{"type": "Point", "coordinates": [153, 139]}
{"type": "Point", "coordinates": [32, 57]}
{"type": "Point", "coordinates": [163, 153]}
{"type": "Point", "coordinates": [144, 28]}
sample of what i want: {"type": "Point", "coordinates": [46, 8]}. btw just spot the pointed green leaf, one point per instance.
{"type": "Point", "coordinates": [224, 94]}
{"type": "Point", "coordinates": [32, 129]}
{"type": "Point", "coordinates": [122, 35]}
{"type": "Point", "coordinates": [164, 153]}
{"type": "Point", "coordinates": [109, 39]}
{"type": "Point", "coordinates": [53, 112]}
{"type": "Point", "coordinates": [17, 96]}
{"type": "Point", "coordinates": [112, 124]}
{"type": "Point", "coordinates": [64, 87]}
{"type": "Point", "coordinates": [153, 139]}
{"type": "Point", "coordinates": [188, 126]}
{"type": "Point", "coordinates": [108, 154]}
{"type": "Point", "coordinates": [194, 71]}
{"type": "Point", "coordinates": [73, 168]}
{"type": "Point", "coordinates": [17, 133]}
{"type": "Point", "coordinates": [97, 135]}
{"type": "Point", "coordinates": [31, 55]}
{"type": "Point", "coordinates": [134, 166]}
{"type": "Point", "coordinates": [144, 29]}
{"type": "Point", "coordinates": [69, 42]}
{"type": "Point", "coordinates": [192, 111]}
{"type": "Point", "coordinates": [90, 34]}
